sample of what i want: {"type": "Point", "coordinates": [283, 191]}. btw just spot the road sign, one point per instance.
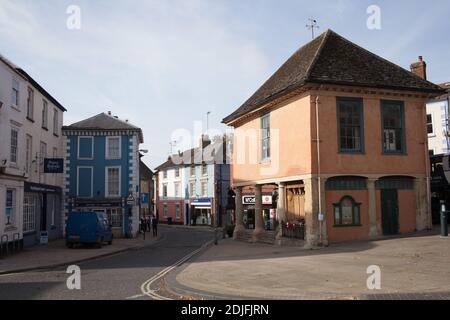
{"type": "Point", "coordinates": [131, 200]}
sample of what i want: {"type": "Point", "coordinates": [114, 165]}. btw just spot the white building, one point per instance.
{"type": "Point", "coordinates": [30, 131]}
{"type": "Point", "coordinates": [438, 124]}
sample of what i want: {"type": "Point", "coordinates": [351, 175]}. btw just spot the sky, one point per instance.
{"type": "Point", "coordinates": [163, 64]}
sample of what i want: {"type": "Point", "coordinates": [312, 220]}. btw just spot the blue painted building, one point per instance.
{"type": "Point", "coordinates": [102, 170]}
{"type": "Point", "coordinates": [207, 184]}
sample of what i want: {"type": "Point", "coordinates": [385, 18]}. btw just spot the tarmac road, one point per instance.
{"type": "Point", "coordinates": [115, 277]}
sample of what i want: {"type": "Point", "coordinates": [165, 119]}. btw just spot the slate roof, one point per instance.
{"type": "Point", "coordinates": [30, 79]}
{"type": "Point", "coordinates": [104, 122]}
{"type": "Point", "coordinates": [332, 59]}
{"type": "Point", "coordinates": [195, 156]}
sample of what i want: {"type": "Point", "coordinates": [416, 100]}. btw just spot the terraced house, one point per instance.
{"type": "Point", "coordinates": [342, 134]}
{"type": "Point", "coordinates": [30, 136]}
{"type": "Point", "coordinates": [102, 170]}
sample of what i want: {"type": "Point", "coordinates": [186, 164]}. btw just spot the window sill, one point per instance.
{"type": "Point", "coordinates": [30, 119]}
{"type": "Point", "coordinates": [401, 153]}
{"type": "Point", "coordinates": [352, 153]}
{"type": "Point", "coordinates": [56, 135]}
{"type": "Point", "coordinates": [348, 226]}
{"type": "Point", "coordinates": [45, 128]}
{"type": "Point", "coordinates": [265, 161]}
{"type": "Point", "coordinates": [15, 108]}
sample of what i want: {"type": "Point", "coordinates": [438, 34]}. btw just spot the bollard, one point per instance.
{"type": "Point", "coordinates": [216, 235]}
{"type": "Point", "coordinates": [444, 221]}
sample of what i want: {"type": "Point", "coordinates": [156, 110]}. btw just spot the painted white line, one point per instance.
{"type": "Point", "coordinates": [146, 286]}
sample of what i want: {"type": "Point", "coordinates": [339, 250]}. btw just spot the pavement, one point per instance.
{"type": "Point", "coordinates": [132, 274]}
{"type": "Point", "coordinates": [56, 254]}
{"type": "Point", "coordinates": [416, 267]}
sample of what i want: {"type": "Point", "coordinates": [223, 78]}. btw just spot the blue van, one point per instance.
{"type": "Point", "coordinates": [88, 227]}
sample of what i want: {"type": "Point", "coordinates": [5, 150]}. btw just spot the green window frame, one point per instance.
{"type": "Point", "coordinates": [346, 183]}
{"type": "Point", "coordinates": [393, 136]}
{"type": "Point", "coordinates": [265, 137]}
{"type": "Point", "coordinates": [347, 213]}
{"type": "Point", "coordinates": [350, 124]}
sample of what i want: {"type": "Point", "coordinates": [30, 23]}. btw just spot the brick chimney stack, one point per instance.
{"type": "Point", "coordinates": [420, 68]}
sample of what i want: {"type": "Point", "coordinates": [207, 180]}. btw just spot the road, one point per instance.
{"type": "Point", "coordinates": [114, 278]}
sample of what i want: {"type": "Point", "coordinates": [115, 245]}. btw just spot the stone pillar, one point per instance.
{"type": "Point", "coordinates": [422, 213]}
{"type": "Point", "coordinates": [239, 229]}
{"type": "Point", "coordinates": [372, 208]}
{"type": "Point", "coordinates": [324, 231]}
{"type": "Point", "coordinates": [281, 210]}
{"type": "Point", "coordinates": [311, 213]}
{"type": "Point", "coordinates": [259, 223]}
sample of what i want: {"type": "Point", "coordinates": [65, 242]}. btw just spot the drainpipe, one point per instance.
{"type": "Point", "coordinates": [319, 187]}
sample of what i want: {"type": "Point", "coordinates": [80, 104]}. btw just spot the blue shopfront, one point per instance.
{"type": "Point", "coordinates": [201, 212]}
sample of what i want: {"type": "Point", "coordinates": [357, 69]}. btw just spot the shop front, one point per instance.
{"type": "Point", "coordinates": [115, 210]}
{"type": "Point", "coordinates": [201, 212]}
{"type": "Point", "coordinates": [248, 201]}
{"type": "Point", "coordinates": [41, 213]}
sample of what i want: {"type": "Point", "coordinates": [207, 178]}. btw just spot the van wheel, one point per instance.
{"type": "Point", "coordinates": [111, 240]}
{"type": "Point", "coordinates": [69, 245]}
{"type": "Point", "coordinates": [99, 243]}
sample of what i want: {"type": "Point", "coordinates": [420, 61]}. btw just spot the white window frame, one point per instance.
{"type": "Point", "coordinates": [177, 172]}
{"type": "Point", "coordinates": [107, 155]}
{"type": "Point", "coordinates": [29, 153]}
{"type": "Point", "coordinates": [92, 147]}
{"type": "Point", "coordinates": [193, 189]}
{"type": "Point", "coordinates": [16, 153]}
{"type": "Point", "coordinates": [44, 114]}
{"type": "Point", "coordinates": [30, 103]}
{"type": "Point", "coordinates": [432, 125]}
{"type": "Point", "coordinates": [15, 91]}
{"type": "Point", "coordinates": [29, 213]}
{"type": "Point", "coordinates": [107, 194]}
{"type": "Point", "coordinates": [55, 122]}
{"type": "Point", "coordinates": [177, 191]}
{"type": "Point", "coordinates": [78, 180]}
{"type": "Point", "coordinates": [204, 183]}
{"type": "Point", "coordinates": [166, 186]}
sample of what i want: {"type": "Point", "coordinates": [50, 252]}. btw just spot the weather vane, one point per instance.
{"type": "Point", "coordinates": [312, 25]}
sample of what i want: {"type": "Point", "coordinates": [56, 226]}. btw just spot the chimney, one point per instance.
{"type": "Point", "coordinates": [204, 141]}
{"type": "Point", "coordinates": [420, 68]}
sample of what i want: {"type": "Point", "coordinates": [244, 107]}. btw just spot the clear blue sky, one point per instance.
{"type": "Point", "coordinates": [164, 64]}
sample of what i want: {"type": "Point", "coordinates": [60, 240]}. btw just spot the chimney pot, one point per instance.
{"type": "Point", "coordinates": [420, 68]}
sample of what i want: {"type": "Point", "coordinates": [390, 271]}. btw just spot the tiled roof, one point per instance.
{"type": "Point", "coordinates": [103, 121]}
{"type": "Point", "coordinates": [332, 59]}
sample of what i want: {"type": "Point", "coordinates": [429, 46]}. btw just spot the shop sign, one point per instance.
{"type": "Point", "coordinates": [41, 188]}
{"type": "Point", "coordinates": [53, 165]}
{"type": "Point", "coordinates": [201, 202]}
{"type": "Point", "coordinates": [250, 200]}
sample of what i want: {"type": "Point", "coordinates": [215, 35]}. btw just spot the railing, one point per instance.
{"type": "Point", "coordinates": [294, 230]}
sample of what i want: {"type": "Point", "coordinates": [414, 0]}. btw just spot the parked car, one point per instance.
{"type": "Point", "coordinates": [88, 228]}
